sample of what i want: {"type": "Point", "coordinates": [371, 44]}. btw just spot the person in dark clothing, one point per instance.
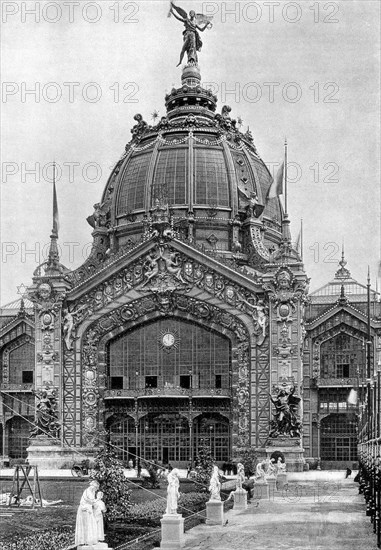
{"type": "Point", "coordinates": [348, 473]}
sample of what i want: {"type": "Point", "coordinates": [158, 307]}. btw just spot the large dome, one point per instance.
{"type": "Point", "coordinates": [199, 163]}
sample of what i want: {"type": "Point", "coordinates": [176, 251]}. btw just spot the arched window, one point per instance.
{"type": "Point", "coordinates": [169, 353]}
{"type": "Point", "coordinates": [343, 356]}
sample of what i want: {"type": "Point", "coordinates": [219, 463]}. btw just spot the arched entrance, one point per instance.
{"type": "Point", "coordinates": [169, 437]}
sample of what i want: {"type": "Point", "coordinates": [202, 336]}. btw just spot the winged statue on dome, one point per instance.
{"type": "Point", "coordinates": [193, 23]}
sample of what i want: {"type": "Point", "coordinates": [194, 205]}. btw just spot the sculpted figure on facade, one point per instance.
{"type": "Point", "coordinates": [46, 414]}
{"type": "Point", "coordinates": [192, 41]}
{"type": "Point", "coordinates": [258, 313]}
{"type": "Point", "coordinates": [286, 421]}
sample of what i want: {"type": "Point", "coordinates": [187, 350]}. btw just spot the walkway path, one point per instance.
{"type": "Point", "coordinates": [310, 516]}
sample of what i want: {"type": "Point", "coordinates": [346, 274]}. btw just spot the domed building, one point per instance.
{"type": "Point", "coordinates": [184, 327]}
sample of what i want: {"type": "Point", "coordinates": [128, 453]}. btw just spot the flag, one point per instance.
{"type": "Point", "coordinates": [352, 397]}
{"type": "Point", "coordinates": [276, 188]}
{"type": "Point", "coordinates": [56, 223]}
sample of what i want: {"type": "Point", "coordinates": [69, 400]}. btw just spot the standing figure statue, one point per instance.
{"type": "Point", "coordinates": [215, 485]}
{"type": "Point", "coordinates": [173, 492]}
{"type": "Point", "coordinates": [240, 475]}
{"type": "Point", "coordinates": [192, 41]}
{"type": "Point", "coordinates": [99, 509]}
{"type": "Point", "coordinates": [86, 531]}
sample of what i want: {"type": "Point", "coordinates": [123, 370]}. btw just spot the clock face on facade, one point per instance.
{"type": "Point", "coordinates": [168, 339]}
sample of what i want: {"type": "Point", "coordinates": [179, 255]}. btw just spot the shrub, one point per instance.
{"type": "Point", "coordinates": [204, 466]}
{"type": "Point", "coordinates": [249, 459]}
{"type": "Point", "coordinates": [49, 539]}
{"type": "Point", "coordinates": [109, 471]}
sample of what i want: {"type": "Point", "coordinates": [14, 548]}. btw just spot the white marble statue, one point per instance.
{"type": "Point", "coordinates": [271, 468]}
{"type": "Point", "coordinates": [240, 475]}
{"type": "Point", "coordinates": [215, 485]}
{"type": "Point", "coordinates": [99, 509]}
{"type": "Point", "coordinates": [86, 527]}
{"type": "Point", "coordinates": [260, 471]}
{"type": "Point", "coordinates": [173, 492]}
{"type": "Point", "coordinates": [281, 466]}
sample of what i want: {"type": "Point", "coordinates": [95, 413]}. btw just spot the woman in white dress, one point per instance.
{"type": "Point", "coordinates": [86, 526]}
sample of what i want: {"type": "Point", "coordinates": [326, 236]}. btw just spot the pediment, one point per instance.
{"type": "Point", "coordinates": [162, 267]}
{"type": "Point", "coordinates": [340, 314]}
{"type": "Point", "coordinates": [16, 328]}
{"type": "Point", "coordinates": [159, 266]}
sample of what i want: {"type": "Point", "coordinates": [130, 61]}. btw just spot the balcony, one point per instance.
{"type": "Point", "coordinates": [17, 387]}
{"type": "Point", "coordinates": [340, 382]}
{"type": "Point", "coordinates": [167, 392]}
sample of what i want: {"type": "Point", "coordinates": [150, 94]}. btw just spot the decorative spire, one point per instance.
{"type": "Point", "coordinates": [53, 265]}
{"type": "Point", "coordinates": [342, 272]}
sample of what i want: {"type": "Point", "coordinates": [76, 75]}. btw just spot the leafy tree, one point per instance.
{"type": "Point", "coordinates": [204, 465]}
{"type": "Point", "coordinates": [109, 472]}
{"type": "Point", "coordinates": [249, 460]}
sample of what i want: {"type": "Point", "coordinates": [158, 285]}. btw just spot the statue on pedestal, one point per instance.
{"type": "Point", "coordinates": [260, 471]}
{"type": "Point", "coordinates": [173, 492]}
{"type": "Point", "coordinates": [86, 530]}
{"type": "Point", "coordinates": [286, 421]}
{"type": "Point", "coordinates": [240, 476]}
{"type": "Point", "coordinates": [215, 485]}
{"type": "Point", "coordinates": [99, 509]}
{"type": "Point", "coordinates": [192, 41]}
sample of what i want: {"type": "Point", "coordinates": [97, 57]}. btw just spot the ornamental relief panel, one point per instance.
{"type": "Point", "coordinates": [164, 270]}
{"type": "Point", "coordinates": [159, 304]}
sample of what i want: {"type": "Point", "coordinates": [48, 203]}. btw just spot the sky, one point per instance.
{"type": "Point", "coordinates": [75, 73]}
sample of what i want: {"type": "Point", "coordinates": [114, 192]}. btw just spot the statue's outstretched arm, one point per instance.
{"type": "Point", "coordinates": [202, 28]}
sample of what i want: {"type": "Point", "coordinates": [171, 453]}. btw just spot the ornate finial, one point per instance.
{"type": "Point", "coordinates": [342, 299]}
{"type": "Point", "coordinates": [193, 23]}
{"type": "Point", "coordinates": [342, 272]}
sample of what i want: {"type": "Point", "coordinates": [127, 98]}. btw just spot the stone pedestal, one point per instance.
{"type": "Point", "coordinates": [214, 512]}
{"type": "Point", "coordinates": [271, 481]}
{"type": "Point", "coordinates": [45, 455]}
{"type": "Point", "coordinates": [172, 532]}
{"type": "Point", "coordinates": [281, 481]}
{"type": "Point", "coordinates": [291, 449]}
{"type": "Point", "coordinates": [240, 499]}
{"type": "Point", "coordinates": [261, 489]}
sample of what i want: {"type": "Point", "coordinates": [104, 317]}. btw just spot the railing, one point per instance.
{"type": "Point", "coordinates": [168, 392]}
{"type": "Point", "coordinates": [17, 387]}
{"type": "Point", "coordinates": [343, 382]}
{"type": "Point", "coordinates": [369, 453]}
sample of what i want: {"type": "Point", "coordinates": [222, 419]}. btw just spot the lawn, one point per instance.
{"type": "Point", "coordinates": [26, 521]}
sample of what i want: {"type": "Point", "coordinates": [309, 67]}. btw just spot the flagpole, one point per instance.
{"type": "Point", "coordinates": [369, 342]}
{"type": "Point", "coordinates": [285, 175]}
{"type": "Point", "coordinates": [301, 238]}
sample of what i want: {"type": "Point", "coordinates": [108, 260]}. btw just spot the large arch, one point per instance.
{"type": "Point", "coordinates": [148, 309]}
